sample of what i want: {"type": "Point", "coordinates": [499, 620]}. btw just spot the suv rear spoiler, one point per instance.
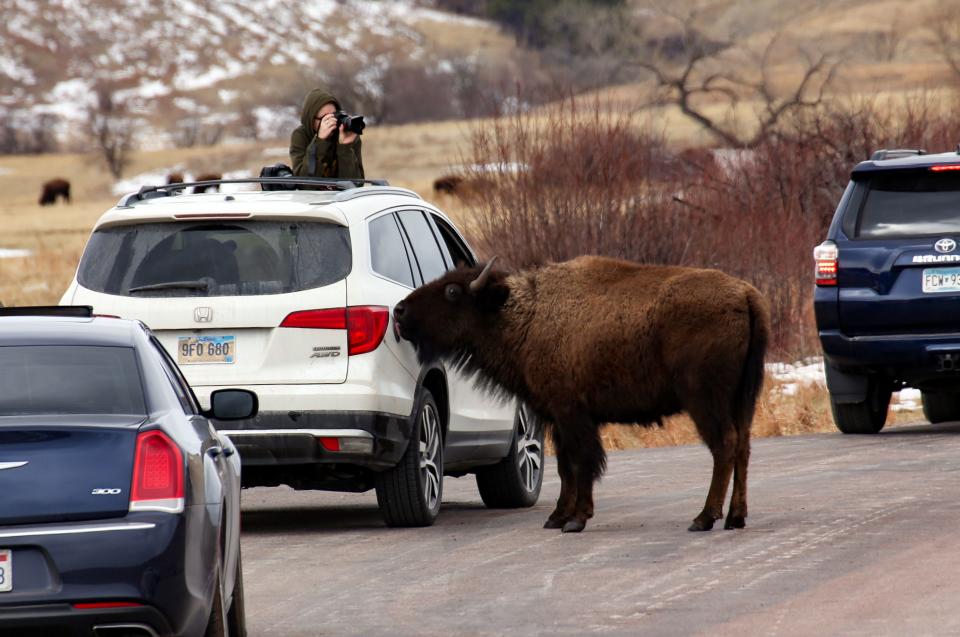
{"type": "Point", "coordinates": [896, 153]}
{"type": "Point", "coordinates": [73, 311]}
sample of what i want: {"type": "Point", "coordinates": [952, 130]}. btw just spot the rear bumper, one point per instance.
{"type": "Point", "coordinates": [273, 438]}
{"type": "Point", "coordinates": [143, 558]}
{"type": "Point", "coordinates": [913, 358]}
{"type": "Point", "coordinates": [64, 620]}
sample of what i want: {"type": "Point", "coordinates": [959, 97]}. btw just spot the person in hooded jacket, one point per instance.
{"type": "Point", "coordinates": [320, 148]}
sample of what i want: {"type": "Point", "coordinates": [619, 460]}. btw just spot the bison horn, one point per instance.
{"type": "Point", "coordinates": [478, 283]}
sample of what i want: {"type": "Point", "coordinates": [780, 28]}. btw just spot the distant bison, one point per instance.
{"type": "Point", "coordinates": [598, 340]}
{"type": "Point", "coordinates": [447, 184]}
{"type": "Point", "coordinates": [174, 178]}
{"type": "Point", "coordinates": [208, 177]}
{"type": "Point", "coordinates": [53, 189]}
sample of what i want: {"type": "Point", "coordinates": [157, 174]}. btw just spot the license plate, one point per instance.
{"type": "Point", "coordinates": [941, 280]}
{"type": "Point", "coordinates": [198, 350]}
{"type": "Point", "coordinates": [6, 570]}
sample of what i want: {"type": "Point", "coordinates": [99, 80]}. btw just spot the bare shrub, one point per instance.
{"type": "Point", "coordinates": [571, 180]}
{"type": "Point", "coordinates": [24, 132]}
{"type": "Point", "coordinates": [110, 126]}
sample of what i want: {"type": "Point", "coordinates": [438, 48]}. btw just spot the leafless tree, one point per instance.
{"type": "Point", "coordinates": [691, 71]}
{"type": "Point", "coordinates": [111, 126]}
{"type": "Point", "coordinates": [885, 42]}
{"type": "Point", "coordinates": [944, 22]}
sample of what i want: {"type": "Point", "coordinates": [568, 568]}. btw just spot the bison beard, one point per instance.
{"type": "Point", "coordinates": [598, 340]}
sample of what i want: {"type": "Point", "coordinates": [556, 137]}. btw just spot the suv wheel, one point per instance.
{"type": "Point", "coordinates": [515, 481]}
{"type": "Point", "coordinates": [409, 494]}
{"type": "Point", "coordinates": [868, 416]}
{"type": "Point", "coordinates": [940, 406]}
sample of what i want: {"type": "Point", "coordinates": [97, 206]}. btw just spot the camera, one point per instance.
{"type": "Point", "coordinates": [352, 123]}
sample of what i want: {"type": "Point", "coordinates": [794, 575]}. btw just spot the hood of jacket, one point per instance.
{"type": "Point", "coordinates": [312, 103]}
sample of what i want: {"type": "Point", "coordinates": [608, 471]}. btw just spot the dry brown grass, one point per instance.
{"type": "Point", "coordinates": [805, 412]}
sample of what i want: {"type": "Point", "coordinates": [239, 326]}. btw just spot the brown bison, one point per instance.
{"type": "Point", "coordinates": [207, 177]}
{"type": "Point", "coordinates": [447, 184]}
{"type": "Point", "coordinates": [53, 189]}
{"type": "Point", "coordinates": [598, 340]}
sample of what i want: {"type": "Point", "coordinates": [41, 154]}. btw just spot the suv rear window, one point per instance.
{"type": "Point", "coordinates": [215, 258]}
{"type": "Point", "coordinates": [910, 204]}
{"type": "Point", "coordinates": [69, 379]}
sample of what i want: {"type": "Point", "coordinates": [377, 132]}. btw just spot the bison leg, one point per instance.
{"type": "Point", "coordinates": [736, 516]}
{"type": "Point", "coordinates": [589, 461]}
{"type": "Point", "coordinates": [568, 486]}
{"type": "Point", "coordinates": [723, 446]}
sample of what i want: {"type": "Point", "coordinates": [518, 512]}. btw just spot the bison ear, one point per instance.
{"type": "Point", "coordinates": [493, 296]}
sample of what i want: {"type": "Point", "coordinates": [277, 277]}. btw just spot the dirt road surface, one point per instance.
{"type": "Point", "coordinates": [847, 535]}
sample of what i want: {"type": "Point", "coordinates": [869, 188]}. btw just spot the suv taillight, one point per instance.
{"type": "Point", "coordinates": [365, 324]}
{"type": "Point", "coordinates": [157, 474]}
{"type": "Point", "coordinates": [826, 255]}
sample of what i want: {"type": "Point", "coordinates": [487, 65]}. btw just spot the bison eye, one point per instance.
{"type": "Point", "coordinates": [452, 292]}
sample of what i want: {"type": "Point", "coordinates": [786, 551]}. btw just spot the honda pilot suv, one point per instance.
{"type": "Point", "coordinates": [289, 293]}
{"type": "Point", "coordinates": [887, 298]}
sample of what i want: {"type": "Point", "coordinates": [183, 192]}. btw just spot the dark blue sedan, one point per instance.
{"type": "Point", "coordinates": [119, 501]}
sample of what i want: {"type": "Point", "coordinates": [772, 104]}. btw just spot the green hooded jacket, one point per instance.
{"type": "Point", "coordinates": [314, 157]}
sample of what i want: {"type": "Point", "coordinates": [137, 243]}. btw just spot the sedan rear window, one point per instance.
{"type": "Point", "coordinates": [215, 258]}
{"type": "Point", "coordinates": [69, 379]}
{"type": "Point", "coordinates": [910, 204]}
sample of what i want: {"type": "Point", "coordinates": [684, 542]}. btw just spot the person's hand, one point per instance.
{"type": "Point", "coordinates": [347, 137]}
{"type": "Point", "coordinates": [327, 125]}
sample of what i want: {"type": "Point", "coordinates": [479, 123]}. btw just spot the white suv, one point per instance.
{"type": "Point", "coordinates": [290, 293]}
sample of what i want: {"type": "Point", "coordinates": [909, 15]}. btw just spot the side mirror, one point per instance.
{"type": "Point", "coordinates": [233, 404]}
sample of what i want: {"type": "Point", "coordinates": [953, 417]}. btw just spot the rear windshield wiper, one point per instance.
{"type": "Point", "coordinates": [171, 285]}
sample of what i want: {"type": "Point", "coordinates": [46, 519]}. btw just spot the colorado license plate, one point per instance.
{"type": "Point", "coordinates": [196, 350]}
{"type": "Point", "coordinates": [941, 280]}
{"type": "Point", "coordinates": [6, 571]}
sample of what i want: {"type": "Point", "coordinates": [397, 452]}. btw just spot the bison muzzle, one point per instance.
{"type": "Point", "coordinates": [597, 340]}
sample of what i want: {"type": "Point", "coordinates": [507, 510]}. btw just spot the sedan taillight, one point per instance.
{"type": "Point", "coordinates": [157, 474]}
{"type": "Point", "coordinates": [827, 256]}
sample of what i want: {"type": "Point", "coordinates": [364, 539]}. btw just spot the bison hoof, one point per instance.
{"type": "Point", "coordinates": [553, 523]}
{"type": "Point", "coordinates": [574, 526]}
{"type": "Point", "coordinates": [735, 522]}
{"type": "Point", "coordinates": [701, 524]}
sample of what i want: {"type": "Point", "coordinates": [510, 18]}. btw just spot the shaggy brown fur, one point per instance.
{"type": "Point", "coordinates": [447, 184]}
{"type": "Point", "coordinates": [598, 340]}
{"type": "Point", "coordinates": [174, 178]}
{"type": "Point", "coordinates": [53, 189]}
{"type": "Point", "coordinates": [207, 177]}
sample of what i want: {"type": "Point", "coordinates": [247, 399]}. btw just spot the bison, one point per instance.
{"type": "Point", "coordinates": [208, 177]}
{"type": "Point", "coordinates": [447, 184]}
{"type": "Point", "coordinates": [53, 189]}
{"type": "Point", "coordinates": [174, 178]}
{"type": "Point", "coordinates": [597, 340]}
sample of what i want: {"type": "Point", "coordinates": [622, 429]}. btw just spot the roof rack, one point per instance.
{"type": "Point", "coordinates": [74, 311]}
{"type": "Point", "coordinates": [896, 153]}
{"type": "Point", "coordinates": [152, 192]}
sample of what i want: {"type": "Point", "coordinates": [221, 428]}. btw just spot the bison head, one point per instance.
{"type": "Point", "coordinates": [447, 317]}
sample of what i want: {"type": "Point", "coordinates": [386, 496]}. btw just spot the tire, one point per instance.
{"type": "Point", "coordinates": [515, 481]}
{"type": "Point", "coordinates": [940, 406]}
{"type": "Point", "coordinates": [868, 416]}
{"type": "Point", "coordinates": [410, 493]}
{"type": "Point", "coordinates": [237, 615]}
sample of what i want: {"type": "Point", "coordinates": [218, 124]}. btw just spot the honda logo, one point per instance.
{"type": "Point", "coordinates": [945, 245]}
{"type": "Point", "coordinates": [203, 314]}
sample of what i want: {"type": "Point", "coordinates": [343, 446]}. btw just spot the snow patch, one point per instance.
{"type": "Point", "coordinates": [14, 253]}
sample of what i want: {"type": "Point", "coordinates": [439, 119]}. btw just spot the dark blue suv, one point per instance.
{"type": "Point", "coordinates": [887, 300]}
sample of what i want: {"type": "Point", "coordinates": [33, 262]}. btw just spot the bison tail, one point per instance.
{"type": "Point", "coordinates": [751, 376]}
